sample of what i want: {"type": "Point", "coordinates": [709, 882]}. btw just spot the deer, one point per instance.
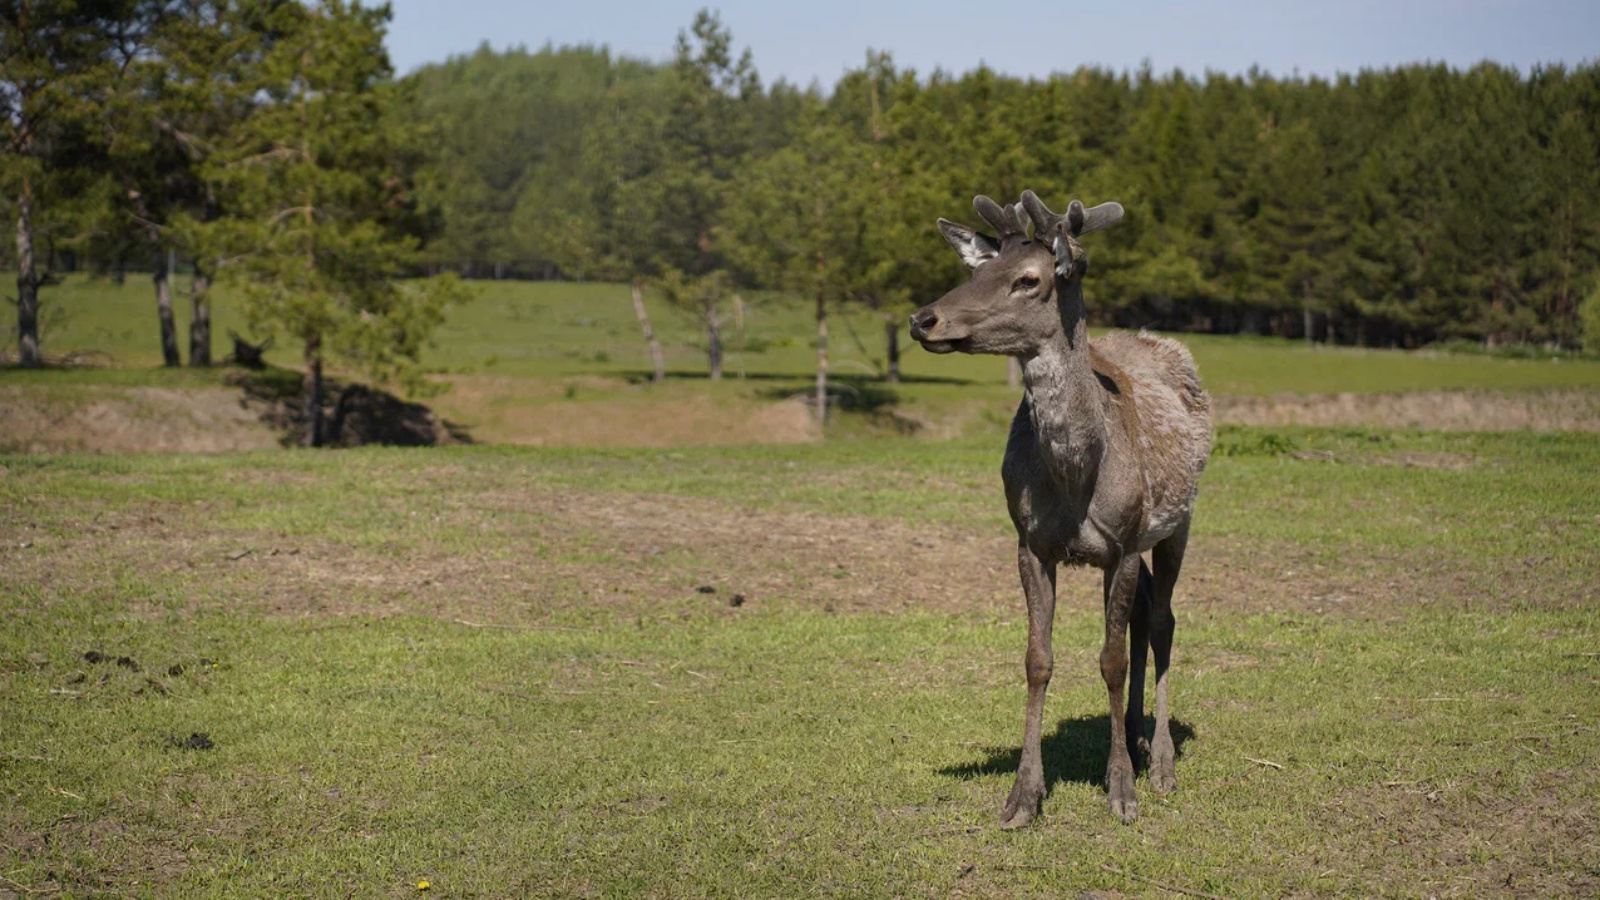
{"type": "Point", "coordinates": [1102, 465]}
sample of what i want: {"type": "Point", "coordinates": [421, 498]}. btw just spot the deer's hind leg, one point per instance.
{"type": "Point", "coordinates": [1138, 655]}
{"type": "Point", "coordinates": [1122, 581]}
{"type": "Point", "coordinates": [1167, 558]}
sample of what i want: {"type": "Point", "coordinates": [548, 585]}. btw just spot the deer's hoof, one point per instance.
{"type": "Point", "coordinates": [1163, 772]}
{"type": "Point", "coordinates": [1123, 801]}
{"type": "Point", "coordinates": [1012, 819]}
{"type": "Point", "coordinates": [1027, 797]}
{"type": "Point", "coordinates": [1125, 810]}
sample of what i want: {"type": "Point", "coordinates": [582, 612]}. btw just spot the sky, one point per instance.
{"type": "Point", "coordinates": [819, 40]}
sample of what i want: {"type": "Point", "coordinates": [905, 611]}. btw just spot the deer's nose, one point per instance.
{"type": "Point", "coordinates": [923, 320]}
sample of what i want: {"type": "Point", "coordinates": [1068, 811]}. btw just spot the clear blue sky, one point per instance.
{"type": "Point", "coordinates": [803, 40]}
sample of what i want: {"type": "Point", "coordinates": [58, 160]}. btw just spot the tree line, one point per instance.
{"type": "Point", "coordinates": [267, 141]}
{"type": "Point", "coordinates": [1385, 208]}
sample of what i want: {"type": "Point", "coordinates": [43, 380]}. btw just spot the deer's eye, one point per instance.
{"type": "Point", "coordinates": [1025, 283]}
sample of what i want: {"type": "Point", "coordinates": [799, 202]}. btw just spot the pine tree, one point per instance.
{"type": "Point", "coordinates": [57, 64]}
{"type": "Point", "coordinates": [318, 219]}
{"type": "Point", "coordinates": [796, 221]}
{"type": "Point", "coordinates": [705, 136]}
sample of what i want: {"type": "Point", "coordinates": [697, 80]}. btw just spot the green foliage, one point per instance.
{"type": "Point", "coordinates": [59, 60]}
{"type": "Point", "coordinates": [1232, 440]}
{"type": "Point", "coordinates": [1590, 314]}
{"type": "Point", "coordinates": [1358, 205]}
{"type": "Point", "coordinates": [320, 221]}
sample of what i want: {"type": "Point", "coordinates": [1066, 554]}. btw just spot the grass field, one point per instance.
{"type": "Point", "coordinates": [548, 329]}
{"type": "Point", "coordinates": [494, 670]}
{"type": "Point", "coordinates": [561, 364]}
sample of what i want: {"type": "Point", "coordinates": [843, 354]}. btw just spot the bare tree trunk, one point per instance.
{"type": "Point", "coordinates": [200, 325]}
{"type": "Point", "coordinates": [738, 330]}
{"type": "Point", "coordinates": [891, 336]}
{"type": "Point", "coordinates": [27, 283]}
{"type": "Point", "coordinates": [311, 386]}
{"type": "Point", "coordinates": [660, 373]}
{"type": "Point", "coordinates": [1013, 372]}
{"type": "Point", "coordinates": [713, 337]}
{"type": "Point", "coordinates": [822, 356]}
{"type": "Point", "coordinates": [169, 326]}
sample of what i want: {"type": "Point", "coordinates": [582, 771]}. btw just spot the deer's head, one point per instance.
{"type": "Point", "coordinates": [1008, 307]}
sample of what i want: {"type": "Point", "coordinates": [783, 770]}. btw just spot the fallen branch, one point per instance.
{"type": "Point", "coordinates": [1176, 889]}
{"type": "Point", "coordinates": [1265, 762]}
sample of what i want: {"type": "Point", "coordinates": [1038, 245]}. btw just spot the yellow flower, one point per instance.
{"type": "Point", "coordinates": [422, 885]}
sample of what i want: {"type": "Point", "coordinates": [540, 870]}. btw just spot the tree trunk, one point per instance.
{"type": "Point", "coordinates": [1013, 372]}
{"type": "Point", "coordinates": [200, 325]}
{"type": "Point", "coordinates": [311, 386]}
{"type": "Point", "coordinates": [713, 338]}
{"type": "Point", "coordinates": [891, 337]}
{"type": "Point", "coordinates": [27, 283]}
{"type": "Point", "coordinates": [660, 366]}
{"type": "Point", "coordinates": [738, 330]}
{"type": "Point", "coordinates": [169, 326]}
{"type": "Point", "coordinates": [822, 356]}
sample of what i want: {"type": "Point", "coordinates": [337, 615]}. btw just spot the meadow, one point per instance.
{"type": "Point", "coordinates": [779, 669]}
{"type": "Point", "coordinates": [553, 329]}
{"type": "Point", "coordinates": [764, 671]}
{"type": "Point", "coordinates": [560, 363]}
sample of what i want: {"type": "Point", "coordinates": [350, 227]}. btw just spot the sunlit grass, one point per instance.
{"type": "Point", "coordinates": [1429, 743]}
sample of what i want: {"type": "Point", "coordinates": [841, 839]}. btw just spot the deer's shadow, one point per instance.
{"type": "Point", "coordinates": [1077, 752]}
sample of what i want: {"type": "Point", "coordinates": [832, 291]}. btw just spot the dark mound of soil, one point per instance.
{"type": "Point", "coordinates": [358, 414]}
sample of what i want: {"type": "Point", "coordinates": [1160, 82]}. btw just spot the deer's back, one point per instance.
{"type": "Point", "coordinates": [1174, 419]}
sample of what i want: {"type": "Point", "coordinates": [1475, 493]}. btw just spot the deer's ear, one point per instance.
{"type": "Point", "coordinates": [975, 248]}
{"type": "Point", "coordinates": [1062, 251]}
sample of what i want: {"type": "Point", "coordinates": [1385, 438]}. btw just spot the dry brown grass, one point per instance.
{"type": "Point", "coordinates": [108, 419]}
{"type": "Point", "coordinates": [1549, 410]}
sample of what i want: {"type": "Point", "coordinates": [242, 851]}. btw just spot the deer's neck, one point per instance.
{"type": "Point", "coordinates": [1064, 396]}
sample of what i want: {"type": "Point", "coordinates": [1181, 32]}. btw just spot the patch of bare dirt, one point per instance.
{"type": "Point", "coordinates": [251, 413]}
{"type": "Point", "coordinates": [132, 419]}
{"type": "Point", "coordinates": [538, 554]}
{"type": "Point", "coordinates": [1555, 410]}
{"type": "Point", "coordinates": [534, 411]}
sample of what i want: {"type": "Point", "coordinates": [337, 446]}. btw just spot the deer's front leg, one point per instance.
{"type": "Point", "coordinates": [1121, 584]}
{"type": "Point", "coordinates": [1039, 584]}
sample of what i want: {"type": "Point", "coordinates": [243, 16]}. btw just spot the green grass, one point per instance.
{"type": "Point", "coordinates": [1404, 623]}
{"type": "Point", "coordinates": [548, 330]}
